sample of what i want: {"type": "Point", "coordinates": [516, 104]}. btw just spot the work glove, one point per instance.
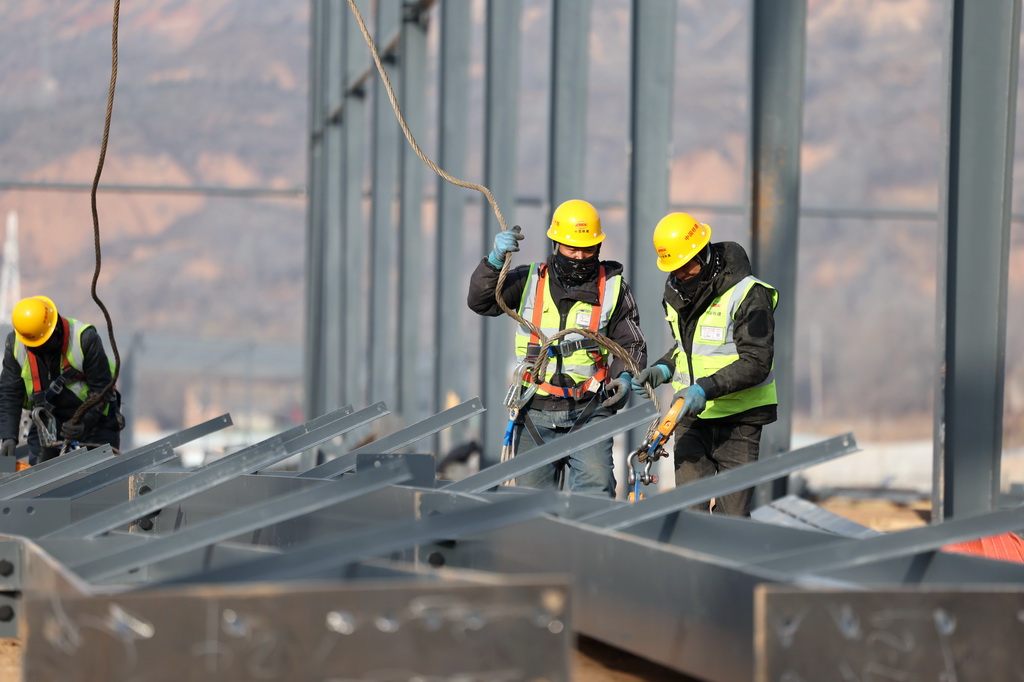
{"type": "Point", "coordinates": [618, 392]}
{"type": "Point", "coordinates": [7, 447]}
{"type": "Point", "coordinates": [655, 375]}
{"type": "Point", "coordinates": [72, 431]}
{"type": "Point", "coordinates": [694, 400]}
{"type": "Point", "coordinates": [504, 242]}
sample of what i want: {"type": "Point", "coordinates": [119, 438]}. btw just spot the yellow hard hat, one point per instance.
{"type": "Point", "coordinates": [678, 238]}
{"type": "Point", "coordinates": [34, 320]}
{"type": "Point", "coordinates": [576, 223]}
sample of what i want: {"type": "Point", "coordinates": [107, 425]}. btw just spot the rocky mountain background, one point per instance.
{"type": "Point", "coordinates": [213, 93]}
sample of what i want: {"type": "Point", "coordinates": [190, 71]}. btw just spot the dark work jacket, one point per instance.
{"type": "Point", "coordinates": [97, 376]}
{"type": "Point", "coordinates": [623, 327]}
{"type": "Point", "coordinates": [753, 332]}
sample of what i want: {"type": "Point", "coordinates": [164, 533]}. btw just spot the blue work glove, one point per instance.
{"type": "Point", "coordinates": [694, 400]}
{"type": "Point", "coordinates": [72, 431]}
{"type": "Point", "coordinates": [655, 375]}
{"type": "Point", "coordinates": [618, 392]}
{"type": "Point", "coordinates": [505, 242]}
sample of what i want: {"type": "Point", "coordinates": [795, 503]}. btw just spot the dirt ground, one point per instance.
{"type": "Point", "coordinates": [594, 661]}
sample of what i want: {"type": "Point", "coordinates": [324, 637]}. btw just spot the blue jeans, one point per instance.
{"type": "Point", "coordinates": [590, 470]}
{"type": "Point", "coordinates": [704, 449]}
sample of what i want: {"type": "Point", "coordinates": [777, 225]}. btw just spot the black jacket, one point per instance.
{"type": "Point", "coordinates": [12, 387]}
{"type": "Point", "coordinates": [754, 330]}
{"type": "Point", "coordinates": [623, 327]}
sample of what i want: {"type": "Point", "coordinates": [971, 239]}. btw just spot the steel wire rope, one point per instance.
{"type": "Point", "coordinates": [540, 365]}
{"type": "Point", "coordinates": [96, 398]}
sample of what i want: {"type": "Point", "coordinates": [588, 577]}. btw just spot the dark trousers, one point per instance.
{"type": "Point", "coordinates": [706, 448]}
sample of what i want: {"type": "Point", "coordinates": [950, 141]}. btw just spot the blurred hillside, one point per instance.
{"type": "Point", "coordinates": [214, 93]}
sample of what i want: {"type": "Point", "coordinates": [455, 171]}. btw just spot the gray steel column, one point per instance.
{"type": "Point", "coordinates": [567, 131]}
{"type": "Point", "coordinates": [501, 83]}
{"type": "Point", "coordinates": [653, 39]}
{"type": "Point", "coordinates": [387, 136]}
{"type": "Point", "coordinates": [353, 354]}
{"type": "Point", "coordinates": [973, 255]}
{"type": "Point", "coordinates": [326, 282]}
{"type": "Point", "coordinates": [776, 117]}
{"type": "Point", "coordinates": [450, 369]}
{"type": "Point", "coordinates": [412, 354]}
{"type": "Point", "coordinates": [319, 42]}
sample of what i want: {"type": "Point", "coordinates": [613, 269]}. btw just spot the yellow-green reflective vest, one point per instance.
{"type": "Point", "coordinates": [587, 359]}
{"type": "Point", "coordinates": [714, 348]}
{"type": "Point", "coordinates": [74, 357]}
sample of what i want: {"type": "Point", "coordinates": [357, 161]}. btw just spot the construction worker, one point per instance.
{"type": "Point", "coordinates": [573, 288]}
{"type": "Point", "coordinates": [722, 319]}
{"type": "Point", "coordinates": [52, 365]}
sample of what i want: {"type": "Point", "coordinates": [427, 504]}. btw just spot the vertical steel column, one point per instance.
{"type": "Point", "coordinates": [312, 387]}
{"type": "Point", "coordinates": [354, 260]}
{"type": "Point", "coordinates": [501, 85]}
{"type": "Point", "coordinates": [652, 50]}
{"type": "Point", "coordinates": [411, 97]}
{"type": "Point", "coordinates": [387, 136]}
{"type": "Point", "coordinates": [776, 116]}
{"type": "Point", "coordinates": [567, 131]}
{"type": "Point", "coordinates": [450, 368]}
{"type": "Point", "coordinates": [982, 62]}
{"type": "Point", "coordinates": [326, 285]}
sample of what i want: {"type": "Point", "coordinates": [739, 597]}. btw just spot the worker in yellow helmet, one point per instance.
{"type": "Point", "coordinates": [52, 365]}
{"type": "Point", "coordinates": [573, 288]}
{"type": "Point", "coordinates": [723, 322]}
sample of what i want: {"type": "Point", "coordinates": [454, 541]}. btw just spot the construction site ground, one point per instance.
{"type": "Point", "coordinates": [594, 661]}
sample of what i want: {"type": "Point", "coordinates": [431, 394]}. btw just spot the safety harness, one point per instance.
{"type": "Point", "coordinates": [591, 385]}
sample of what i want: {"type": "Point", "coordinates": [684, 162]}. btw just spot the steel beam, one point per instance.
{"type": "Point", "coordinates": [567, 130]}
{"type": "Point", "coordinates": [554, 450]}
{"type": "Point", "coordinates": [982, 56]}
{"type": "Point", "coordinates": [335, 552]}
{"type": "Point", "coordinates": [110, 472]}
{"type": "Point", "coordinates": [457, 251]}
{"type": "Point", "coordinates": [260, 514]}
{"type": "Point", "coordinates": [725, 482]}
{"type": "Point", "coordinates": [501, 112]}
{"type": "Point", "coordinates": [386, 138]}
{"type": "Point", "coordinates": [398, 439]}
{"type": "Point", "coordinates": [845, 553]}
{"type": "Point", "coordinates": [412, 294]}
{"type": "Point", "coordinates": [653, 43]}
{"type": "Point", "coordinates": [244, 461]}
{"type": "Point", "coordinates": [354, 261]}
{"type": "Point", "coordinates": [46, 473]}
{"type": "Point", "coordinates": [776, 123]}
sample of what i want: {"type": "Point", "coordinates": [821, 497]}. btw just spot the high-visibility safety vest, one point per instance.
{"type": "Point", "coordinates": [714, 348]}
{"type": "Point", "coordinates": [582, 359]}
{"type": "Point", "coordinates": [72, 358]}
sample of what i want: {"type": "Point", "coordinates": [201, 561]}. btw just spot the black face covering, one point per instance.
{"type": "Point", "coordinates": [574, 272]}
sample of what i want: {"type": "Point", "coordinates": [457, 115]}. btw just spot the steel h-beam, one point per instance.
{"type": "Point", "coordinates": [501, 65]}
{"type": "Point", "coordinates": [776, 116]}
{"type": "Point", "coordinates": [984, 42]}
{"type": "Point", "coordinates": [456, 251]}
{"type": "Point", "coordinates": [653, 41]}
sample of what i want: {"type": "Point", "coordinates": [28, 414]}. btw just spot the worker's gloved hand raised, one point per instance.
{"type": "Point", "coordinates": [694, 400]}
{"type": "Point", "coordinates": [504, 242]}
{"type": "Point", "coordinates": [655, 375]}
{"type": "Point", "coordinates": [618, 392]}
{"type": "Point", "coordinates": [72, 430]}
{"type": "Point", "coordinates": [7, 447]}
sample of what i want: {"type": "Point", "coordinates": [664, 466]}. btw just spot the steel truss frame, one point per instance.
{"type": "Point", "coordinates": [245, 571]}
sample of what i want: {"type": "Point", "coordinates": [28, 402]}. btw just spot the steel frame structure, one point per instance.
{"type": "Point", "coordinates": [132, 567]}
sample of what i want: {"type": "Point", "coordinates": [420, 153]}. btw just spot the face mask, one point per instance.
{"type": "Point", "coordinates": [572, 272]}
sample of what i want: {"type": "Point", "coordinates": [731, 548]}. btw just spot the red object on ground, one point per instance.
{"type": "Point", "coordinates": [1007, 547]}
